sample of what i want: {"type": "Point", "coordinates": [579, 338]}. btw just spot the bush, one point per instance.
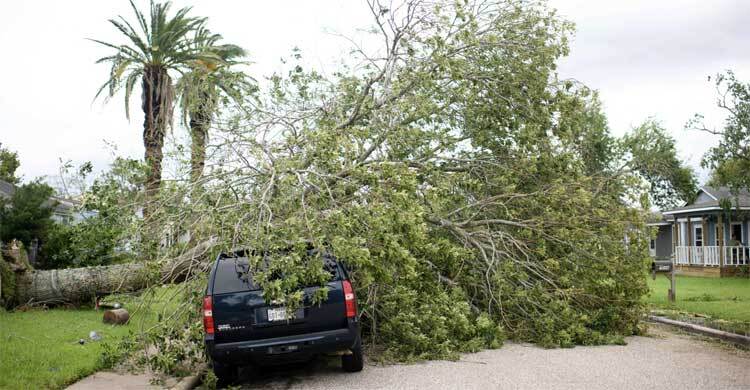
{"type": "Point", "coordinates": [26, 215]}
{"type": "Point", "coordinates": [8, 287]}
{"type": "Point", "coordinates": [90, 242]}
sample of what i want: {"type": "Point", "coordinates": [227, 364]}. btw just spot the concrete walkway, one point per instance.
{"type": "Point", "coordinates": [114, 381]}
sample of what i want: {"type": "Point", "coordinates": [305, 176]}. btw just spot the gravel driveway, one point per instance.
{"type": "Point", "coordinates": [666, 360]}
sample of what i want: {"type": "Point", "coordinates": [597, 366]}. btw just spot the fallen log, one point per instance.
{"type": "Point", "coordinates": [116, 316]}
{"type": "Point", "coordinates": [79, 285]}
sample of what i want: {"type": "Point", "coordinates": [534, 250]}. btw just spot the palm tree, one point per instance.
{"type": "Point", "coordinates": [163, 44]}
{"type": "Point", "coordinates": [201, 89]}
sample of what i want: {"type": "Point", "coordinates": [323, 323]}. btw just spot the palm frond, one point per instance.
{"type": "Point", "coordinates": [129, 85]}
{"type": "Point", "coordinates": [156, 39]}
{"type": "Point", "coordinates": [141, 22]}
{"type": "Point", "coordinates": [128, 30]}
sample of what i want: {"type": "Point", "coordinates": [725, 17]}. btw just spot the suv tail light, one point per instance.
{"type": "Point", "coordinates": [350, 300]}
{"type": "Point", "coordinates": [208, 315]}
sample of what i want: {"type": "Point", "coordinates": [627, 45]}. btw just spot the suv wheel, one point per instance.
{"type": "Point", "coordinates": [225, 373]}
{"type": "Point", "coordinates": [353, 362]}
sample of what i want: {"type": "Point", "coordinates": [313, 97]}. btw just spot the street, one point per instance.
{"type": "Point", "coordinates": [665, 359]}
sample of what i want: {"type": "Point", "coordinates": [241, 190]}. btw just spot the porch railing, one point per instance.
{"type": "Point", "coordinates": [737, 255]}
{"type": "Point", "coordinates": [710, 256]}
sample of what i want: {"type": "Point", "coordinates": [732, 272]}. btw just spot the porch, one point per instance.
{"type": "Point", "coordinates": [712, 256]}
{"type": "Point", "coordinates": [708, 236]}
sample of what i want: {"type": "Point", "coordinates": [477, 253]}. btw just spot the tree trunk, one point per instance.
{"type": "Point", "coordinates": [200, 122]}
{"type": "Point", "coordinates": [157, 109]}
{"type": "Point", "coordinates": [76, 285]}
{"type": "Point", "coordinates": [80, 285]}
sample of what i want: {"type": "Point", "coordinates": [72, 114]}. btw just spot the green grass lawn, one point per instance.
{"type": "Point", "coordinates": [40, 349]}
{"type": "Point", "coordinates": [724, 299]}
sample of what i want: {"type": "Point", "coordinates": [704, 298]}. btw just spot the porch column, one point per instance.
{"type": "Point", "coordinates": [720, 239]}
{"type": "Point", "coordinates": [704, 229]}
{"type": "Point", "coordinates": [675, 237]}
{"type": "Point", "coordinates": [690, 240]}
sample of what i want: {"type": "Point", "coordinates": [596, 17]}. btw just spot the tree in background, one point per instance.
{"type": "Point", "coordinates": [26, 215]}
{"type": "Point", "coordinates": [730, 160]}
{"type": "Point", "coordinates": [201, 89]}
{"type": "Point", "coordinates": [654, 156]}
{"type": "Point", "coordinates": [8, 165]}
{"type": "Point", "coordinates": [109, 204]}
{"type": "Point", "coordinates": [164, 44]}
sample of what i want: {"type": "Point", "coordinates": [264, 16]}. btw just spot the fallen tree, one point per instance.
{"type": "Point", "coordinates": [474, 194]}
{"type": "Point", "coordinates": [30, 287]}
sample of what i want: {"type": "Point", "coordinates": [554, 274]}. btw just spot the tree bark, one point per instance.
{"type": "Point", "coordinates": [200, 122]}
{"type": "Point", "coordinates": [157, 109]}
{"type": "Point", "coordinates": [77, 285]}
{"type": "Point", "coordinates": [81, 285]}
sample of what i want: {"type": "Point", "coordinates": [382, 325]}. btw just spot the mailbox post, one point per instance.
{"type": "Point", "coordinates": [665, 267]}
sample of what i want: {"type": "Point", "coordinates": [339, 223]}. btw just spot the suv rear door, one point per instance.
{"type": "Point", "coordinates": [240, 312]}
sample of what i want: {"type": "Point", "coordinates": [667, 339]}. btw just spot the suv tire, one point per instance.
{"type": "Point", "coordinates": [225, 373]}
{"type": "Point", "coordinates": [353, 362]}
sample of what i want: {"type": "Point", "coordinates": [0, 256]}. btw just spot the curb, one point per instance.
{"type": "Point", "coordinates": [727, 336]}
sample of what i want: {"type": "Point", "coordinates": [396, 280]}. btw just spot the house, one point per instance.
{"type": "Point", "coordinates": [64, 210]}
{"type": "Point", "coordinates": [707, 237]}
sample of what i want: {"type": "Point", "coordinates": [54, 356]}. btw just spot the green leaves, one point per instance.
{"type": "Point", "coordinates": [9, 163]}
{"type": "Point", "coordinates": [730, 160]}
{"type": "Point", "coordinates": [653, 155]}
{"type": "Point", "coordinates": [26, 215]}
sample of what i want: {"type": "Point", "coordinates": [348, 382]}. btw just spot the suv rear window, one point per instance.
{"type": "Point", "coordinates": [232, 275]}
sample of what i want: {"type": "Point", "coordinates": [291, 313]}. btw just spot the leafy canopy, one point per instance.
{"type": "Point", "coordinates": [9, 163]}
{"type": "Point", "coordinates": [654, 156]}
{"type": "Point", "coordinates": [730, 160]}
{"type": "Point", "coordinates": [26, 215]}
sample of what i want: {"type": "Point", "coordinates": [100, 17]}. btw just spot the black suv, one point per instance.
{"type": "Point", "coordinates": [241, 328]}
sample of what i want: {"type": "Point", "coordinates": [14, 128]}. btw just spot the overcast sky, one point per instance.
{"type": "Point", "coordinates": [647, 58]}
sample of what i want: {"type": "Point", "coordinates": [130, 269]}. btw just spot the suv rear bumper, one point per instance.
{"type": "Point", "coordinates": [284, 349]}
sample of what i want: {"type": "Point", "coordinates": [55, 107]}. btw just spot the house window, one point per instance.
{"type": "Point", "coordinates": [698, 236]}
{"type": "Point", "coordinates": [653, 244]}
{"type": "Point", "coordinates": [735, 234]}
{"type": "Point", "coordinates": [719, 236]}
{"type": "Point", "coordinates": [683, 234]}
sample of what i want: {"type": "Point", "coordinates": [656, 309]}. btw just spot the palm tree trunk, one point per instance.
{"type": "Point", "coordinates": [200, 121]}
{"type": "Point", "coordinates": [157, 109]}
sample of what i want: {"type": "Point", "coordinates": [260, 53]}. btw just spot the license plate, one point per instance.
{"type": "Point", "coordinates": [277, 314]}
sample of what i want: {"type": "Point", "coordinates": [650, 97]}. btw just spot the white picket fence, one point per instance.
{"type": "Point", "coordinates": [709, 256]}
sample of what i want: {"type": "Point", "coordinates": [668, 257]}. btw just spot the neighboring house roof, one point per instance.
{"type": "Point", "coordinates": [6, 189]}
{"type": "Point", "coordinates": [657, 219]}
{"type": "Point", "coordinates": [711, 200]}
{"type": "Point", "coordinates": [63, 206]}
